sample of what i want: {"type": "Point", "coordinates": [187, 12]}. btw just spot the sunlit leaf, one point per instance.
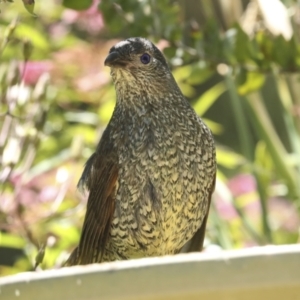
{"type": "Point", "coordinates": [205, 101]}
{"type": "Point", "coordinates": [37, 39]}
{"type": "Point", "coordinates": [11, 240]}
{"type": "Point", "coordinates": [253, 82]}
{"type": "Point", "coordinates": [182, 73]}
{"type": "Point", "coordinates": [215, 127]}
{"type": "Point", "coordinates": [106, 111]}
{"type": "Point", "coordinates": [187, 90]}
{"type": "Point", "coordinates": [228, 158]}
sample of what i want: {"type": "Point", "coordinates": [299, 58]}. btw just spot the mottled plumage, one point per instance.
{"type": "Point", "coordinates": [151, 178]}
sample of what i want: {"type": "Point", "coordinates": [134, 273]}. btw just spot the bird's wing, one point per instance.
{"type": "Point", "coordinates": [100, 178]}
{"type": "Point", "coordinates": [196, 243]}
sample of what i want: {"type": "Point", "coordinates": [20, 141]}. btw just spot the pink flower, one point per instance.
{"type": "Point", "coordinates": [242, 184]}
{"type": "Point", "coordinates": [90, 20]}
{"type": "Point", "coordinates": [225, 209]}
{"type": "Point", "coordinates": [32, 70]}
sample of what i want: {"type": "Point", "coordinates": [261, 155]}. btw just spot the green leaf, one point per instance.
{"type": "Point", "coordinates": [182, 73]}
{"type": "Point", "coordinates": [199, 73]}
{"type": "Point", "coordinates": [170, 52]}
{"type": "Point", "coordinates": [212, 41]}
{"type": "Point", "coordinates": [29, 5]}
{"type": "Point", "coordinates": [106, 111]}
{"type": "Point", "coordinates": [229, 159]}
{"type": "Point", "coordinates": [77, 4]}
{"type": "Point", "coordinates": [285, 53]}
{"type": "Point", "coordinates": [239, 47]}
{"type": "Point", "coordinates": [37, 39]}
{"type": "Point", "coordinates": [206, 100]}
{"type": "Point", "coordinates": [10, 240]}
{"type": "Point", "coordinates": [266, 131]}
{"type": "Point", "coordinates": [242, 44]}
{"type": "Point", "coordinates": [265, 47]}
{"type": "Point", "coordinates": [253, 82]}
{"type": "Point", "coordinates": [187, 90]}
{"type": "Point", "coordinates": [215, 127]}
{"type": "Point", "coordinates": [241, 76]}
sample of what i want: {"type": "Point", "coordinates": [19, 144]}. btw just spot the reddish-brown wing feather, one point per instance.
{"type": "Point", "coordinates": [99, 177]}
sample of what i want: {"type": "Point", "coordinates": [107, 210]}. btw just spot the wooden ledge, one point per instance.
{"type": "Point", "coordinates": [271, 272]}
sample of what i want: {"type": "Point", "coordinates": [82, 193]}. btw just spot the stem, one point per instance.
{"type": "Point", "coordinates": [266, 131]}
{"type": "Point", "coordinates": [240, 119]}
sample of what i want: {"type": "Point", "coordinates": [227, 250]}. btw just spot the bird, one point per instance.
{"type": "Point", "coordinates": [152, 175]}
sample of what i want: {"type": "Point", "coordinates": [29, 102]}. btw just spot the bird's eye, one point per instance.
{"type": "Point", "coordinates": [145, 58]}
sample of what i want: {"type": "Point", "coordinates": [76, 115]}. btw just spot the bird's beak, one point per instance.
{"type": "Point", "coordinates": [112, 59]}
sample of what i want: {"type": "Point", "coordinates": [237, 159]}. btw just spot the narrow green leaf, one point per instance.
{"type": "Point", "coordinates": [263, 181]}
{"type": "Point", "coordinates": [215, 127]}
{"type": "Point", "coordinates": [206, 100]}
{"type": "Point", "coordinates": [229, 159]}
{"type": "Point", "coordinates": [266, 131]}
{"type": "Point", "coordinates": [240, 119]}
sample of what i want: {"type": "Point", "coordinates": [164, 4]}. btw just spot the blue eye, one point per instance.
{"type": "Point", "coordinates": [145, 58]}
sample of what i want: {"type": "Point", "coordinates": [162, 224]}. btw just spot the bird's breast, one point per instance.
{"type": "Point", "coordinates": [161, 194]}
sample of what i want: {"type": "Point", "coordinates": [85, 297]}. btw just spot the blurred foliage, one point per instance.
{"type": "Point", "coordinates": [237, 62]}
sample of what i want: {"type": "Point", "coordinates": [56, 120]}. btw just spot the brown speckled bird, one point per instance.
{"type": "Point", "coordinates": [151, 177]}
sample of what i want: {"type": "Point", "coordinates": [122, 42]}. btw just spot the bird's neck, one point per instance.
{"type": "Point", "coordinates": [145, 100]}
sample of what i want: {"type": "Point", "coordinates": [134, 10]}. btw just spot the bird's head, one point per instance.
{"type": "Point", "coordinates": [137, 64]}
